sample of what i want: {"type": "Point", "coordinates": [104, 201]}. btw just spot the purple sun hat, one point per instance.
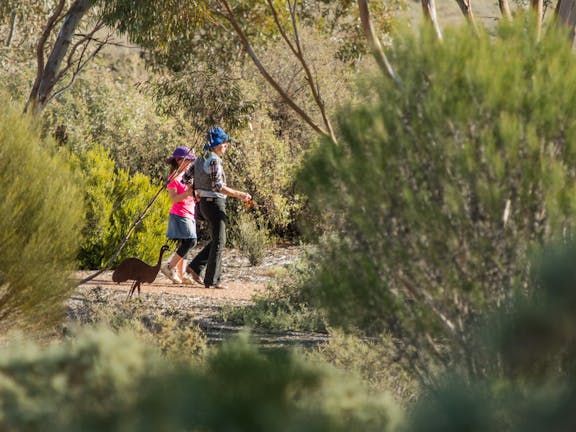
{"type": "Point", "coordinates": [181, 153]}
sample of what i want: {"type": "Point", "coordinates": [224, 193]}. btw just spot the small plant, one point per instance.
{"type": "Point", "coordinates": [250, 239]}
{"type": "Point", "coordinates": [283, 306]}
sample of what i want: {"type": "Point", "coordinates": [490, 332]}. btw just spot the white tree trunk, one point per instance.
{"type": "Point", "coordinates": [429, 8]}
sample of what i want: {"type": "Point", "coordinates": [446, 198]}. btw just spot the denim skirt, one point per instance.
{"type": "Point", "coordinates": [180, 227]}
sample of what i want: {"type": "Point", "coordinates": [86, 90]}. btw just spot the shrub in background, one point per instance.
{"type": "Point", "coordinates": [441, 187]}
{"type": "Point", "coordinates": [114, 200]}
{"type": "Point", "coordinates": [40, 222]}
{"type": "Point", "coordinates": [250, 238]}
{"type": "Point", "coordinates": [106, 108]}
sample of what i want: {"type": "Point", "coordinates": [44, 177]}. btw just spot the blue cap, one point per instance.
{"type": "Point", "coordinates": [215, 137]}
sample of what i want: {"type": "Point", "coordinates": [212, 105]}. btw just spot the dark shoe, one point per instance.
{"type": "Point", "coordinates": [194, 276]}
{"type": "Point", "coordinates": [219, 286]}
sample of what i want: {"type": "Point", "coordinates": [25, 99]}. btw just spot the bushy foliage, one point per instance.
{"type": "Point", "coordinates": [101, 381]}
{"type": "Point", "coordinates": [265, 166]}
{"type": "Point", "coordinates": [106, 108]}
{"type": "Point", "coordinates": [251, 239]}
{"type": "Point", "coordinates": [97, 374]}
{"type": "Point", "coordinates": [282, 307]}
{"type": "Point", "coordinates": [529, 384]}
{"type": "Point", "coordinates": [442, 186]}
{"type": "Point", "coordinates": [114, 200]}
{"type": "Point", "coordinates": [40, 222]}
{"type": "Point", "coordinates": [373, 360]}
{"type": "Point", "coordinates": [172, 332]}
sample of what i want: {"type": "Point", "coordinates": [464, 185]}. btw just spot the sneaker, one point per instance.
{"type": "Point", "coordinates": [187, 280]}
{"type": "Point", "coordinates": [194, 276]}
{"type": "Point", "coordinates": [171, 274]}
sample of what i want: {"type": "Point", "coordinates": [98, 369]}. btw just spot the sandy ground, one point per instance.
{"type": "Point", "coordinates": [242, 279]}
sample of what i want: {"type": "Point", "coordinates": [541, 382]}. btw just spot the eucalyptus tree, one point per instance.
{"type": "Point", "coordinates": [221, 32]}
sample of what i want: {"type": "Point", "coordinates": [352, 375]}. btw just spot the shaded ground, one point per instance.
{"type": "Point", "coordinates": [197, 304]}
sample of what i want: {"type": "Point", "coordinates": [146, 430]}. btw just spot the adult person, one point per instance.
{"type": "Point", "coordinates": [210, 185]}
{"type": "Point", "coordinates": [182, 217]}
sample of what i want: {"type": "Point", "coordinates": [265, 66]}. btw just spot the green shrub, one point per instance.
{"type": "Point", "coordinates": [102, 381]}
{"type": "Point", "coordinates": [98, 375]}
{"type": "Point", "coordinates": [440, 188]}
{"type": "Point", "coordinates": [114, 200]}
{"type": "Point", "coordinates": [529, 353]}
{"type": "Point", "coordinates": [249, 238]}
{"type": "Point", "coordinates": [40, 221]}
{"type": "Point", "coordinates": [283, 306]}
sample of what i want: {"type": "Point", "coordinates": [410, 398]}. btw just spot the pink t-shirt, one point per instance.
{"type": "Point", "coordinates": [187, 207]}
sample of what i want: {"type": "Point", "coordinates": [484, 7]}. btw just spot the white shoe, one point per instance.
{"type": "Point", "coordinates": [171, 274]}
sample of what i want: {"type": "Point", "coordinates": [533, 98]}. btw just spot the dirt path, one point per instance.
{"type": "Point", "coordinates": [196, 303]}
{"type": "Point", "coordinates": [242, 279]}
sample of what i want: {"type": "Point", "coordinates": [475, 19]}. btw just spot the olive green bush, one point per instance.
{"type": "Point", "coordinates": [107, 108]}
{"type": "Point", "coordinates": [40, 222]}
{"type": "Point", "coordinates": [283, 306]}
{"type": "Point", "coordinates": [250, 239]}
{"type": "Point", "coordinates": [102, 381]}
{"type": "Point", "coordinates": [114, 199]}
{"type": "Point", "coordinates": [529, 382]}
{"type": "Point", "coordinates": [442, 186]}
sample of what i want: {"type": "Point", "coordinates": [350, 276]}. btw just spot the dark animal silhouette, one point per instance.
{"type": "Point", "coordinates": [138, 271]}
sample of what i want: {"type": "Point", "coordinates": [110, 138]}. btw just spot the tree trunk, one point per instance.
{"type": "Point", "coordinates": [566, 15]}
{"type": "Point", "coordinates": [538, 8]}
{"type": "Point", "coordinates": [374, 43]}
{"type": "Point", "coordinates": [46, 77]}
{"type": "Point", "coordinates": [505, 9]}
{"type": "Point", "coordinates": [429, 8]}
{"type": "Point", "coordinates": [466, 8]}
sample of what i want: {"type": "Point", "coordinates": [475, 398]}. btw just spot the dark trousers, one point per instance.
{"type": "Point", "coordinates": [210, 257]}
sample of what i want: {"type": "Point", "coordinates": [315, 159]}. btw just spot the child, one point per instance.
{"type": "Point", "coordinates": [181, 220]}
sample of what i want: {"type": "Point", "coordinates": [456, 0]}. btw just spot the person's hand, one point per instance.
{"type": "Point", "coordinates": [246, 197]}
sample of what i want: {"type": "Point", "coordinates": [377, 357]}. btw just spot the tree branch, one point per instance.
{"type": "Point", "coordinates": [13, 20]}
{"type": "Point", "coordinates": [299, 53]}
{"type": "Point", "coordinates": [374, 42]}
{"type": "Point", "coordinates": [466, 8]}
{"type": "Point", "coordinates": [250, 51]}
{"type": "Point", "coordinates": [429, 8]}
{"type": "Point", "coordinates": [538, 7]}
{"type": "Point", "coordinates": [505, 9]}
{"type": "Point", "coordinates": [54, 18]}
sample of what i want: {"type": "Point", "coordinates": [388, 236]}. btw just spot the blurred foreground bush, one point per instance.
{"type": "Point", "coordinates": [529, 353]}
{"type": "Point", "coordinates": [40, 222]}
{"type": "Point", "coordinates": [442, 188]}
{"type": "Point", "coordinates": [101, 381]}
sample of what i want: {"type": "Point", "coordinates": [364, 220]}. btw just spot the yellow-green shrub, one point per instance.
{"type": "Point", "coordinates": [114, 200]}
{"type": "Point", "coordinates": [40, 222]}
